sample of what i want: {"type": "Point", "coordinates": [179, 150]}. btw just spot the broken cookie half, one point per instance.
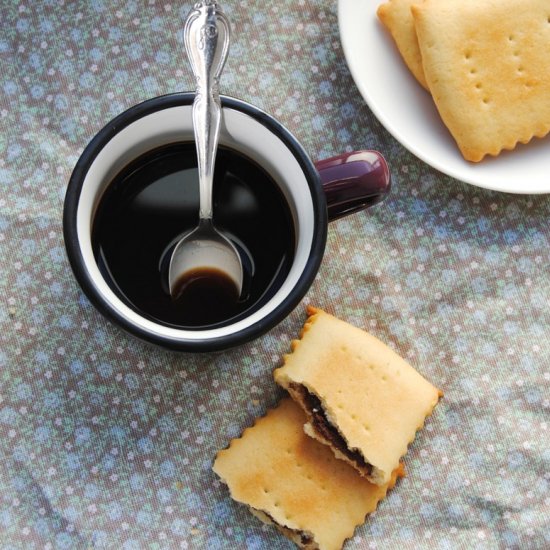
{"type": "Point", "coordinates": [361, 398]}
{"type": "Point", "coordinates": [293, 482]}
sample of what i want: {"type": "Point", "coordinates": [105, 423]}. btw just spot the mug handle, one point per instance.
{"type": "Point", "coordinates": [353, 181]}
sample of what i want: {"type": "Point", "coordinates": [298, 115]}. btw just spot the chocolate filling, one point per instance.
{"type": "Point", "coordinates": [305, 539]}
{"type": "Point", "coordinates": [325, 429]}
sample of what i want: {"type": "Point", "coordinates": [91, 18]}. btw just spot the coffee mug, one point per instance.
{"type": "Point", "coordinates": [315, 194]}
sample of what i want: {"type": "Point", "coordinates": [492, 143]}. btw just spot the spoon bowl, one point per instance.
{"type": "Point", "coordinates": [205, 253]}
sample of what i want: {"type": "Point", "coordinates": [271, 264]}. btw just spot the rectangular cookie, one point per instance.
{"type": "Point", "coordinates": [397, 18]}
{"type": "Point", "coordinates": [361, 399]}
{"type": "Point", "coordinates": [487, 65]}
{"type": "Point", "coordinates": [290, 480]}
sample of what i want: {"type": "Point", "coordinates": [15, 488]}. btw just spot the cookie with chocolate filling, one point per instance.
{"type": "Point", "coordinates": [293, 482]}
{"type": "Point", "coordinates": [360, 397]}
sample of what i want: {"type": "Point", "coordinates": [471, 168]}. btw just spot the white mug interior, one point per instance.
{"type": "Point", "coordinates": [239, 131]}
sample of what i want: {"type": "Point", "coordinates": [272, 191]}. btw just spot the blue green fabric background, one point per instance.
{"type": "Point", "coordinates": [106, 442]}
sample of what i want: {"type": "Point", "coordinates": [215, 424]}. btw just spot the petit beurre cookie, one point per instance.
{"type": "Point", "coordinates": [396, 16]}
{"type": "Point", "coordinates": [292, 481]}
{"type": "Point", "coordinates": [487, 65]}
{"type": "Point", "coordinates": [361, 399]}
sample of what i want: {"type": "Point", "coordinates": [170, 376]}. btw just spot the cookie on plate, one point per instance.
{"type": "Point", "coordinates": [293, 482]}
{"type": "Point", "coordinates": [360, 397]}
{"type": "Point", "coordinates": [397, 18]}
{"type": "Point", "coordinates": [487, 65]}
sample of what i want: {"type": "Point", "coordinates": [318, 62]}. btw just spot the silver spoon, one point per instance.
{"type": "Point", "coordinates": [206, 36]}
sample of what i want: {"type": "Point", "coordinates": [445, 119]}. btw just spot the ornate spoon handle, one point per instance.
{"type": "Point", "coordinates": [206, 36]}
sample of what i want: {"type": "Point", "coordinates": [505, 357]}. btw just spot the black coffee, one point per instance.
{"type": "Point", "coordinates": [155, 200]}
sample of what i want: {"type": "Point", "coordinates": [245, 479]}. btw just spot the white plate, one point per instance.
{"type": "Point", "coordinates": [406, 110]}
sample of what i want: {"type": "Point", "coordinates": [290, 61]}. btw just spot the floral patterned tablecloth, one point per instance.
{"type": "Point", "coordinates": [108, 443]}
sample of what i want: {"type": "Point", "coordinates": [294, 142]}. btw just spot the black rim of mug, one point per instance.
{"type": "Point", "coordinates": [83, 277]}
